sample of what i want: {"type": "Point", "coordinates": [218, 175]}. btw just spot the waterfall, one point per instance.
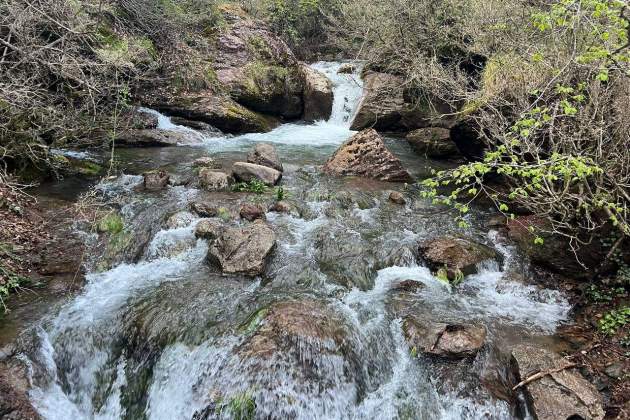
{"type": "Point", "coordinates": [347, 89]}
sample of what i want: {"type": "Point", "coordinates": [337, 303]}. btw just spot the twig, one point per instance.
{"type": "Point", "coordinates": [542, 374]}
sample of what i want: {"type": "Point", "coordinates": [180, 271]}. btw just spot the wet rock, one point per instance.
{"type": "Point", "coordinates": [247, 172]}
{"type": "Point", "coordinates": [433, 142]}
{"type": "Point", "coordinates": [204, 209]}
{"type": "Point", "coordinates": [280, 207]}
{"type": "Point", "coordinates": [295, 327]}
{"type": "Point", "coordinates": [179, 180]}
{"type": "Point", "coordinates": [153, 138]}
{"type": "Point", "coordinates": [446, 340]}
{"type": "Point", "coordinates": [243, 250]}
{"type": "Point", "coordinates": [564, 394]}
{"type": "Point", "coordinates": [265, 154]}
{"type": "Point", "coordinates": [212, 180]}
{"type": "Point", "coordinates": [347, 68]}
{"type": "Point", "coordinates": [179, 220]}
{"type": "Point", "coordinates": [409, 286]}
{"type": "Point", "coordinates": [14, 387]}
{"type": "Point", "coordinates": [465, 135]}
{"type": "Point", "coordinates": [384, 106]}
{"type": "Point", "coordinates": [155, 180]}
{"type": "Point", "coordinates": [205, 162]}
{"type": "Point", "coordinates": [252, 212]}
{"type": "Point", "coordinates": [458, 256]}
{"type": "Point", "coordinates": [209, 229]}
{"type": "Point", "coordinates": [496, 222]}
{"type": "Point", "coordinates": [365, 155]}
{"type": "Point", "coordinates": [318, 95]}
{"type": "Point", "coordinates": [397, 198]}
{"type": "Point", "coordinates": [216, 110]}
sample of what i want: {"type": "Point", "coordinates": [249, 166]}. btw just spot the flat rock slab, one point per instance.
{"type": "Point", "coordinates": [564, 394]}
{"type": "Point", "coordinates": [243, 250]}
{"type": "Point", "coordinates": [365, 155]}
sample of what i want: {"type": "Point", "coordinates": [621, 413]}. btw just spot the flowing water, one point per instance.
{"type": "Point", "coordinates": [160, 334]}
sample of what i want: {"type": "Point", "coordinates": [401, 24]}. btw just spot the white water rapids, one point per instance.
{"type": "Point", "coordinates": [90, 363]}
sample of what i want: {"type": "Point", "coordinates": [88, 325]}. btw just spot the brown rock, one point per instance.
{"type": "Point", "coordinates": [265, 154]}
{"type": "Point", "coordinates": [280, 207]}
{"type": "Point", "coordinates": [243, 250]}
{"type": "Point", "coordinates": [212, 180]}
{"type": "Point", "coordinates": [446, 340]}
{"type": "Point", "coordinates": [365, 154]}
{"type": "Point", "coordinates": [205, 162]}
{"type": "Point", "coordinates": [318, 95]}
{"type": "Point", "coordinates": [251, 212]}
{"type": "Point", "coordinates": [564, 394]}
{"type": "Point", "coordinates": [204, 209]}
{"type": "Point", "coordinates": [433, 142]}
{"type": "Point", "coordinates": [385, 108]}
{"type": "Point", "coordinates": [156, 180]}
{"type": "Point", "coordinates": [154, 138]}
{"type": "Point", "coordinates": [209, 229]}
{"type": "Point", "coordinates": [14, 387]}
{"type": "Point", "coordinates": [247, 172]}
{"type": "Point", "coordinates": [347, 68]}
{"type": "Point", "coordinates": [397, 198]}
{"type": "Point", "coordinates": [457, 255]}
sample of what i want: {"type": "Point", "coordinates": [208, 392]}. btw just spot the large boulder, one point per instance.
{"type": "Point", "coordinates": [243, 250]}
{"type": "Point", "coordinates": [265, 154]}
{"type": "Point", "coordinates": [433, 142]}
{"type": "Point", "coordinates": [365, 155]}
{"type": "Point", "coordinates": [247, 172]}
{"type": "Point", "coordinates": [446, 340]}
{"type": "Point", "coordinates": [212, 180]}
{"type": "Point", "coordinates": [318, 95]}
{"type": "Point", "coordinates": [457, 256]}
{"type": "Point", "coordinates": [385, 107]}
{"type": "Point", "coordinates": [561, 392]}
{"type": "Point", "coordinates": [256, 67]}
{"type": "Point", "coordinates": [216, 110]}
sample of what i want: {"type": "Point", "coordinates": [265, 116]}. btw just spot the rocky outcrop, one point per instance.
{"type": "Point", "coordinates": [243, 250]}
{"type": "Point", "coordinates": [155, 180]}
{"type": "Point", "coordinates": [265, 154]}
{"type": "Point", "coordinates": [318, 95]}
{"type": "Point", "coordinates": [384, 106]}
{"type": "Point", "coordinates": [562, 393]}
{"type": "Point", "coordinates": [446, 340]}
{"type": "Point", "coordinates": [247, 172]}
{"type": "Point", "coordinates": [365, 155]}
{"type": "Point", "coordinates": [212, 180]}
{"type": "Point", "coordinates": [14, 387]}
{"type": "Point", "coordinates": [433, 142]}
{"type": "Point", "coordinates": [256, 67]}
{"type": "Point", "coordinates": [458, 257]}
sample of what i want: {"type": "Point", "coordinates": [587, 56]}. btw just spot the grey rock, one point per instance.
{"type": "Point", "coordinates": [265, 154]}
{"type": "Point", "coordinates": [248, 172]}
{"type": "Point", "coordinates": [211, 180]}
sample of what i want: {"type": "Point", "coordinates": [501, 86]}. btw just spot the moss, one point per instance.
{"type": "Point", "coordinates": [259, 47]}
{"type": "Point", "coordinates": [111, 223]}
{"type": "Point", "coordinates": [251, 325]}
{"type": "Point", "coordinates": [241, 113]}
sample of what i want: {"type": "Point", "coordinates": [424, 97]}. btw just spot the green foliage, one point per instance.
{"type": "Point", "coordinates": [280, 194]}
{"type": "Point", "coordinates": [598, 294]}
{"type": "Point", "coordinates": [111, 223]}
{"type": "Point", "coordinates": [223, 214]}
{"type": "Point", "coordinates": [614, 320]}
{"type": "Point", "coordinates": [241, 406]}
{"type": "Point", "coordinates": [252, 323]}
{"type": "Point", "coordinates": [253, 186]}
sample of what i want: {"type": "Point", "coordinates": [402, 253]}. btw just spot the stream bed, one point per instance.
{"type": "Point", "coordinates": [164, 335]}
